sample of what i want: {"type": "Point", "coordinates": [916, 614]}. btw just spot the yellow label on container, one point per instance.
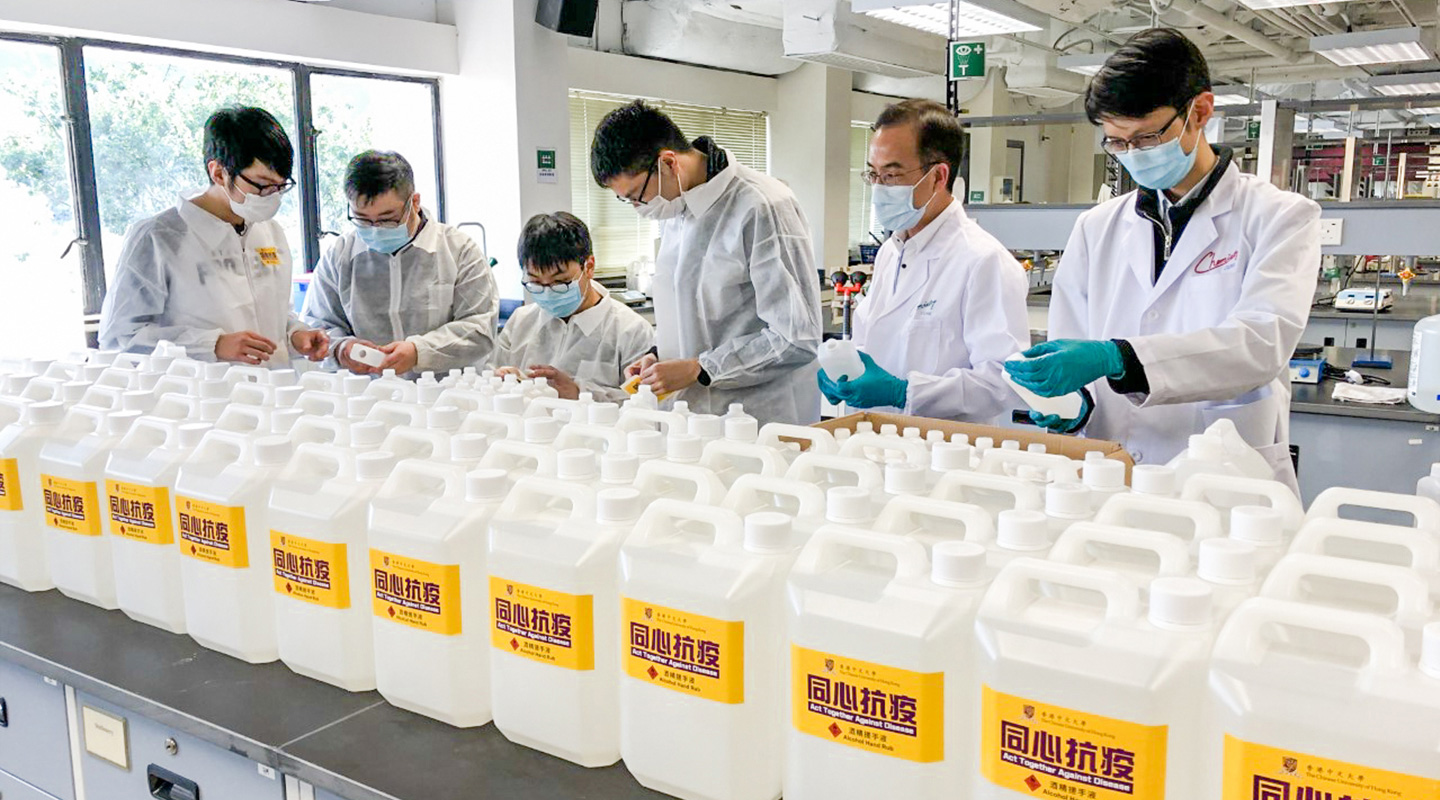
{"type": "Point", "coordinates": [10, 499]}
{"type": "Point", "coordinates": [1260, 772]}
{"type": "Point", "coordinates": [542, 624]}
{"type": "Point", "coordinates": [416, 593]}
{"type": "Point", "coordinates": [315, 572]}
{"type": "Point", "coordinates": [71, 506]}
{"type": "Point", "coordinates": [685, 652]}
{"type": "Point", "coordinates": [212, 533]}
{"type": "Point", "coordinates": [885, 710]}
{"type": "Point", "coordinates": [140, 513]}
{"type": "Point", "coordinates": [1049, 751]}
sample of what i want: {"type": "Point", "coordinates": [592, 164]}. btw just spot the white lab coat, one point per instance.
{"type": "Point", "coordinates": [187, 276]}
{"type": "Point", "coordinates": [736, 287]}
{"type": "Point", "coordinates": [1215, 333]}
{"type": "Point", "coordinates": [594, 347]}
{"type": "Point", "coordinates": [437, 292]}
{"type": "Point", "coordinates": [944, 309]}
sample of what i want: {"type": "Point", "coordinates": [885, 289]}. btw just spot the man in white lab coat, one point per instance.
{"type": "Point", "coordinates": [737, 291]}
{"type": "Point", "coordinates": [213, 273]}
{"type": "Point", "coordinates": [1179, 304]}
{"type": "Point", "coordinates": [947, 303]}
{"type": "Point", "coordinates": [402, 281]}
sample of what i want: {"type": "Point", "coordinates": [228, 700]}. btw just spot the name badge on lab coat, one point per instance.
{"type": "Point", "coordinates": [269, 256]}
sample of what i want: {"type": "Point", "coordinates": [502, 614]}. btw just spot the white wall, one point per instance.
{"type": "Point", "coordinates": [611, 73]}
{"type": "Point", "coordinates": [810, 140]}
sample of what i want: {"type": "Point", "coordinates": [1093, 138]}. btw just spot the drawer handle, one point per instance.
{"type": "Point", "coordinates": [166, 785]}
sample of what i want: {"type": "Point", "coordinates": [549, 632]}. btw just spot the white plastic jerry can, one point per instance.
{"type": "Point", "coordinates": [994, 493]}
{"type": "Point", "coordinates": [22, 506]}
{"type": "Point", "coordinates": [882, 667]}
{"type": "Point", "coordinates": [1140, 556]}
{"type": "Point", "coordinates": [1320, 703]}
{"type": "Point", "coordinates": [703, 683]}
{"type": "Point", "coordinates": [320, 563]}
{"type": "Point", "coordinates": [1368, 541]}
{"type": "Point", "coordinates": [803, 502]}
{"type": "Point", "coordinates": [1191, 520]}
{"type": "Point", "coordinates": [1423, 512]}
{"type": "Point", "coordinates": [222, 515]}
{"type": "Point", "coordinates": [72, 479]}
{"type": "Point", "coordinates": [555, 609]}
{"type": "Point", "coordinates": [427, 536]}
{"type": "Point", "coordinates": [139, 488]}
{"type": "Point", "coordinates": [1080, 696]}
{"type": "Point", "coordinates": [1399, 594]}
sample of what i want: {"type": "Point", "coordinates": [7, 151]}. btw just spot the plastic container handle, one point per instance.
{"type": "Point", "coordinates": [396, 414]}
{"type": "Point", "coordinates": [496, 426]}
{"type": "Point", "coordinates": [1277, 494]}
{"type": "Point", "coordinates": [584, 436]}
{"type": "Point", "coordinates": [413, 475]}
{"type": "Point", "coordinates": [1244, 639]}
{"type": "Point", "coordinates": [532, 492]}
{"type": "Point", "coordinates": [1071, 547]}
{"type": "Point", "coordinates": [640, 419]}
{"type": "Point", "coordinates": [1425, 510]}
{"type": "Point", "coordinates": [915, 451]}
{"type": "Point", "coordinates": [547, 406]}
{"type": "Point", "coordinates": [815, 440]}
{"type": "Point", "coordinates": [723, 452]}
{"type": "Point", "coordinates": [437, 441]}
{"type": "Point", "coordinates": [910, 559]}
{"type": "Point", "coordinates": [142, 434]}
{"type": "Point", "coordinates": [1206, 519]}
{"type": "Point", "coordinates": [903, 514]}
{"type": "Point", "coordinates": [466, 400]}
{"type": "Point", "coordinates": [1423, 546]}
{"type": "Point", "coordinates": [323, 404]}
{"type": "Point", "coordinates": [1412, 593]}
{"type": "Point", "coordinates": [703, 480]}
{"type": "Point", "coordinates": [1012, 587]}
{"type": "Point", "coordinates": [995, 460]}
{"type": "Point", "coordinates": [341, 461]}
{"type": "Point", "coordinates": [953, 485]}
{"type": "Point", "coordinates": [252, 394]}
{"type": "Point", "coordinates": [504, 454]}
{"type": "Point", "coordinates": [662, 515]}
{"type": "Point", "coordinates": [337, 427]}
{"type": "Point", "coordinates": [257, 416]}
{"type": "Point", "coordinates": [236, 445]}
{"type": "Point", "coordinates": [745, 494]}
{"type": "Point", "coordinates": [867, 475]}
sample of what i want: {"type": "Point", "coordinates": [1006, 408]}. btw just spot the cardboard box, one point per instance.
{"type": "Point", "coordinates": [1072, 447]}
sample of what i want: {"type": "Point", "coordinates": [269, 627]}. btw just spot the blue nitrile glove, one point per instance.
{"type": "Point", "coordinates": [1063, 366]}
{"type": "Point", "coordinates": [830, 389]}
{"type": "Point", "coordinates": [874, 388]}
{"type": "Point", "coordinates": [1054, 423]}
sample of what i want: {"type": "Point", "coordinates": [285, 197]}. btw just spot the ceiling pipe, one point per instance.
{"type": "Point", "coordinates": [1208, 16]}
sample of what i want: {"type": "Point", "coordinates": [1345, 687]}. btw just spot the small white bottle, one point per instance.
{"type": "Point", "coordinates": [742, 429]}
{"type": "Point", "coordinates": [707, 427]}
{"type": "Point", "coordinates": [1019, 534]}
{"type": "Point", "coordinates": [840, 359]}
{"type": "Point", "coordinates": [1228, 565]}
{"type": "Point", "coordinates": [1104, 478]}
{"type": "Point", "coordinates": [1263, 528]}
{"type": "Point", "coordinates": [602, 413]}
{"type": "Point", "coordinates": [1065, 505]}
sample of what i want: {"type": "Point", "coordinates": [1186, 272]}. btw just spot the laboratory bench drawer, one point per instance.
{"type": "Point", "coordinates": [34, 733]}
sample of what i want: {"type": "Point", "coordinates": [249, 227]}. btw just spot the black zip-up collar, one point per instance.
{"type": "Point", "coordinates": [1147, 205]}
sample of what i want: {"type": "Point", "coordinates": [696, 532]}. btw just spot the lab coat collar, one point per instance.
{"type": "Point", "coordinates": [588, 321]}
{"type": "Point", "coordinates": [427, 239]}
{"type": "Point", "coordinates": [952, 215]}
{"type": "Point", "coordinates": [211, 230]}
{"type": "Point", "coordinates": [702, 198]}
{"type": "Point", "coordinates": [1199, 234]}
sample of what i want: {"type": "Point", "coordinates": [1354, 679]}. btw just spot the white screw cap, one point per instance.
{"type": "Point", "coordinates": [616, 468]}
{"type": "Point", "coordinates": [911, 433]}
{"type": "Point", "coordinates": [374, 466]}
{"type": "Point", "coordinates": [646, 444]}
{"type": "Point", "coordinates": [485, 484]}
{"type": "Point", "coordinates": [1180, 603]}
{"type": "Point", "coordinates": [960, 438]}
{"type": "Point", "coordinates": [1153, 479]}
{"type": "Point", "coordinates": [444, 418]}
{"type": "Point", "coordinates": [541, 430]}
{"type": "Point", "coordinates": [389, 373]}
{"type": "Point", "coordinates": [684, 448]}
{"type": "Point", "coordinates": [466, 447]}
{"type": "Point", "coordinates": [618, 505]}
{"type": "Point", "coordinates": [1035, 447]}
{"type": "Point", "coordinates": [889, 430]}
{"type": "Point", "coordinates": [848, 505]}
{"type": "Point", "coordinates": [1093, 455]}
{"type": "Point", "coordinates": [957, 564]}
{"type": "Point", "coordinates": [736, 410]}
{"type": "Point", "coordinates": [512, 404]}
{"type": "Point", "coordinates": [742, 429]}
{"type": "Point", "coordinates": [577, 464]}
{"type": "Point", "coordinates": [603, 413]}
{"type": "Point", "coordinates": [681, 407]}
{"type": "Point", "coordinates": [904, 479]}
{"type": "Point", "coordinates": [1067, 500]}
{"type": "Point", "coordinates": [707, 426]}
{"type": "Point", "coordinates": [367, 434]}
{"type": "Point", "coordinates": [768, 532]}
{"type": "Point", "coordinates": [272, 451]}
{"type": "Point", "coordinates": [1009, 444]}
{"type": "Point", "coordinates": [1261, 526]}
{"type": "Point", "coordinates": [1104, 474]}
{"type": "Point", "coordinates": [1227, 561]}
{"type": "Point", "coordinates": [935, 437]}
{"type": "Point", "coordinates": [865, 426]}
{"type": "Point", "coordinates": [984, 443]}
{"type": "Point", "coordinates": [1022, 530]}
{"type": "Point", "coordinates": [948, 457]}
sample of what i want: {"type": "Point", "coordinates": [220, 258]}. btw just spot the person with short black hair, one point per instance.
{"type": "Point", "coordinates": [401, 281]}
{"type": "Point", "coordinates": [1179, 304]}
{"type": "Point", "coordinates": [572, 333]}
{"type": "Point", "coordinates": [736, 289]}
{"type": "Point", "coordinates": [947, 301]}
{"type": "Point", "coordinates": [213, 273]}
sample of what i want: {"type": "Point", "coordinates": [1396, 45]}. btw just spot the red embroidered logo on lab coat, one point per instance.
{"type": "Point", "coordinates": [1209, 263]}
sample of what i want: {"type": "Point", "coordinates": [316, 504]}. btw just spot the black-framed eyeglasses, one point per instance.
{"type": "Point", "coordinates": [541, 288]}
{"type": "Point", "coordinates": [649, 173]}
{"type": "Point", "coordinates": [871, 177]}
{"type": "Point", "coordinates": [267, 189]}
{"type": "Point", "coordinates": [1116, 146]}
{"type": "Point", "coordinates": [384, 224]}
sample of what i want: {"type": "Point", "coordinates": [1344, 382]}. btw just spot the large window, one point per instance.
{"type": "Point", "coordinates": [862, 216]}
{"type": "Point", "coordinates": [44, 319]}
{"type": "Point", "coordinates": [621, 236]}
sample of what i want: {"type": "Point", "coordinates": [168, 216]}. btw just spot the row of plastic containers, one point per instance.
{"type": "Point", "coordinates": [881, 616]}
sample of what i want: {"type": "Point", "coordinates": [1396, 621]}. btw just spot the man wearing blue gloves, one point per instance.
{"type": "Point", "coordinates": [1188, 296]}
{"type": "Point", "coordinates": [947, 303]}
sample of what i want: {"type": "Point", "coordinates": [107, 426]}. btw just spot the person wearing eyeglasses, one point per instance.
{"type": "Point", "coordinates": [572, 332]}
{"type": "Point", "coordinates": [1179, 304]}
{"type": "Point", "coordinates": [213, 273]}
{"type": "Point", "coordinates": [736, 289]}
{"type": "Point", "coordinates": [402, 281]}
{"type": "Point", "coordinates": [947, 302]}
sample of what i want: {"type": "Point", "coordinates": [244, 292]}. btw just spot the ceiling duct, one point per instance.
{"type": "Point", "coordinates": [826, 32]}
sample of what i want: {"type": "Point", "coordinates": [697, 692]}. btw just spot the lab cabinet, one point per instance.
{"type": "Point", "coordinates": [34, 738]}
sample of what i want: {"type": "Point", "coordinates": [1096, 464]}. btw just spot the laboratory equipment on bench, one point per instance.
{"type": "Point", "coordinates": [1307, 365]}
{"type": "Point", "coordinates": [1424, 391]}
{"type": "Point", "coordinates": [1364, 300]}
{"type": "Point", "coordinates": [847, 295]}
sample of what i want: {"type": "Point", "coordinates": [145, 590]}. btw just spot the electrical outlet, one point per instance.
{"type": "Point", "coordinates": [1331, 231]}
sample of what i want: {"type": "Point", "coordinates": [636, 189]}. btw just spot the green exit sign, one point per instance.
{"type": "Point", "coordinates": [1377, 161]}
{"type": "Point", "coordinates": [967, 60]}
{"type": "Point", "coordinates": [1252, 130]}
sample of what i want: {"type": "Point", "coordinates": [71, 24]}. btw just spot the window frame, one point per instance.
{"type": "Point", "coordinates": [80, 152]}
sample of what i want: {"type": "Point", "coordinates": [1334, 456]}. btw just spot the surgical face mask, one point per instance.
{"type": "Point", "coordinates": [1163, 166]}
{"type": "Point", "coordinates": [560, 304]}
{"type": "Point", "coordinates": [384, 240]}
{"type": "Point", "coordinates": [255, 208]}
{"type": "Point", "coordinates": [660, 208]}
{"type": "Point", "coordinates": [894, 205]}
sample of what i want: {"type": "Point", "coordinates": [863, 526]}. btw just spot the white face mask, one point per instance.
{"type": "Point", "coordinates": [255, 208]}
{"type": "Point", "coordinates": [660, 208]}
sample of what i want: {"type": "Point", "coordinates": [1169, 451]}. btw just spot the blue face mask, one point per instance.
{"type": "Point", "coordinates": [1163, 166]}
{"type": "Point", "coordinates": [384, 240]}
{"type": "Point", "coordinates": [893, 205]}
{"type": "Point", "coordinates": [560, 304]}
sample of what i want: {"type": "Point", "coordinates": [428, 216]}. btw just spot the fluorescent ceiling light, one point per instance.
{"type": "Point", "coordinates": [1424, 112]}
{"type": "Point", "coordinates": [1360, 48]}
{"type": "Point", "coordinates": [1233, 96]}
{"type": "Point", "coordinates": [1413, 83]}
{"type": "Point", "coordinates": [971, 19]}
{"type": "Point", "coordinates": [1265, 4]}
{"type": "Point", "coordinates": [1087, 64]}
